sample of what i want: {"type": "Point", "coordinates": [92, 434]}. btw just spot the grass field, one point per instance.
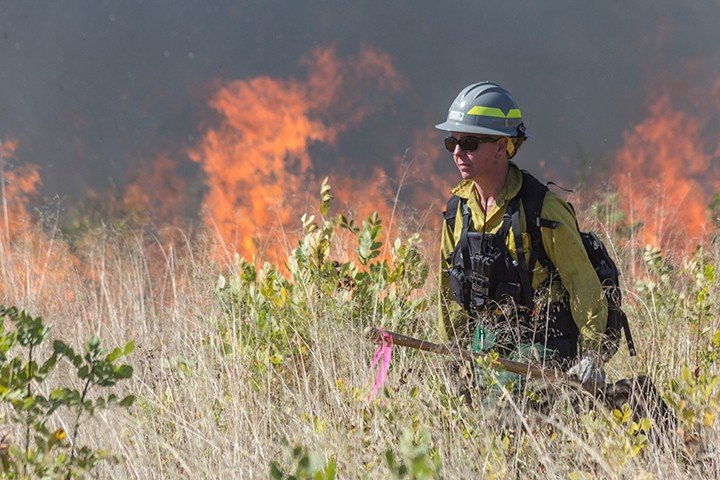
{"type": "Point", "coordinates": [245, 371]}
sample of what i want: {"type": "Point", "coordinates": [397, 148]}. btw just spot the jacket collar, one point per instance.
{"type": "Point", "coordinates": [510, 189]}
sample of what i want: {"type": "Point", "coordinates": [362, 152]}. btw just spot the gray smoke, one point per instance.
{"type": "Point", "coordinates": [93, 89]}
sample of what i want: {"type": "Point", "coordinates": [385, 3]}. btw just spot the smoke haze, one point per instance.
{"type": "Point", "coordinates": [94, 91]}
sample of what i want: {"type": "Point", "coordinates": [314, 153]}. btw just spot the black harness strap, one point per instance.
{"type": "Point", "coordinates": [465, 248]}
{"type": "Point", "coordinates": [464, 244]}
{"type": "Point", "coordinates": [513, 210]}
{"type": "Point", "coordinates": [505, 226]}
{"type": "Point", "coordinates": [451, 211]}
{"type": "Point", "coordinates": [628, 335]}
{"type": "Point", "coordinates": [533, 194]}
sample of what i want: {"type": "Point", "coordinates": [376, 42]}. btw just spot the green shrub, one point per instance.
{"type": "Point", "coordinates": [303, 465]}
{"type": "Point", "coordinates": [270, 314]}
{"type": "Point", "coordinates": [415, 458]}
{"type": "Point", "coordinates": [42, 450]}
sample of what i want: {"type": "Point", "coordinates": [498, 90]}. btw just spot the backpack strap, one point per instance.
{"type": "Point", "coordinates": [532, 194]}
{"type": "Point", "coordinates": [451, 211]}
{"type": "Point", "coordinates": [513, 213]}
{"type": "Point", "coordinates": [450, 214]}
{"type": "Point", "coordinates": [465, 248]}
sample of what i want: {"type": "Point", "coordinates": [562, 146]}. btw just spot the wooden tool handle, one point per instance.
{"type": "Point", "coordinates": [375, 334]}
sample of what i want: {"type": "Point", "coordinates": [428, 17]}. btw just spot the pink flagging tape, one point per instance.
{"type": "Point", "coordinates": [382, 356]}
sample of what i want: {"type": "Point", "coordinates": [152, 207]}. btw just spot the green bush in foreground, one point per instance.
{"type": "Point", "coordinates": [414, 459]}
{"type": "Point", "coordinates": [273, 315]}
{"type": "Point", "coordinates": [34, 447]}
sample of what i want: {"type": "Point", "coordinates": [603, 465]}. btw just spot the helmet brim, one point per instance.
{"type": "Point", "coordinates": [464, 128]}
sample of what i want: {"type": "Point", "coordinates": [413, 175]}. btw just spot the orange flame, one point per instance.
{"type": "Point", "coordinates": [257, 161]}
{"type": "Point", "coordinates": [665, 176]}
{"type": "Point", "coordinates": [19, 187]}
{"type": "Point", "coordinates": [34, 267]}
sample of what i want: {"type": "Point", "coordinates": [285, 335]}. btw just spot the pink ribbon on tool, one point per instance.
{"type": "Point", "coordinates": [384, 353]}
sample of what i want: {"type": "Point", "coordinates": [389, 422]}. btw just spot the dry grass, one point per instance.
{"type": "Point", "coordinates": [205, 410]}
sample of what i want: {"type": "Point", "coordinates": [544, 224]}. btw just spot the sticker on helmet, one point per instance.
{"type": "Point", "coordinates": [455, 115]}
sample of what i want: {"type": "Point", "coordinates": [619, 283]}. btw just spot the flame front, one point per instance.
{"type": "Point", "coordinates": [667, 175]}
{"type": "Point", "coordinates": [32, 263]}
{"type": "Point", "coordinates": [19, 187]}
{"type": "Point", "coordinates": [256, 160]}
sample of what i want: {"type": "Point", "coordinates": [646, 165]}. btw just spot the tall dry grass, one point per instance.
{"type": "Point", "coordinates": [213, 404]}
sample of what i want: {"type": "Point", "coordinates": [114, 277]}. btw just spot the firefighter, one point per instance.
{"type": "Point", "coordinates": [494, 290]}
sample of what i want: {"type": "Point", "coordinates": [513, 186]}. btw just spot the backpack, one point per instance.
{"type": "Point", "coordinates": [532, 195]}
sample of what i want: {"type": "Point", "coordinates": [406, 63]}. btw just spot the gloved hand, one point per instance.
{"type": "Point", "coordinates": [589, 372]}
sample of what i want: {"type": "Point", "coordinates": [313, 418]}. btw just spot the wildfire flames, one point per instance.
{"type": "Point", "coordinates": [666, 177]}
{"type": "Point", "coordinates": [257, 161]}
{"type": "Point", "coordinates": [38, 263]}
{"type": "Point", "coordinates": [19, 187]}
{"type": "Point", "coordinates": [260, 173]}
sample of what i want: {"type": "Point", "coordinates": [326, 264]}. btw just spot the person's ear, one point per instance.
{"type": "Point", "coordinates": [502, 145]}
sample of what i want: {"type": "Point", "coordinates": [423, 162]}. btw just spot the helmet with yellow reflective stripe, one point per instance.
{"type": "Point", "coordinates": [485, 108]}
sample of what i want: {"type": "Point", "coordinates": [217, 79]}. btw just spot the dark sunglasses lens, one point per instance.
{"type": "Point", "coordinates": [469, 144]}
{"type": "Point", "coordinates": [450, 143]}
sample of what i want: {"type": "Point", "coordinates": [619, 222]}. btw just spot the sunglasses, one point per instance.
{"type": "Point", "coordinates": [467, 144]}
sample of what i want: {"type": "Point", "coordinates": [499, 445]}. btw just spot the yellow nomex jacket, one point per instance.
{"type": "Point", "coordinates": [563, 245]}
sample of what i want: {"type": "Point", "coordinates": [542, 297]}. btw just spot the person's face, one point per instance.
{"type": "Point", "coordinates": [472, 164]}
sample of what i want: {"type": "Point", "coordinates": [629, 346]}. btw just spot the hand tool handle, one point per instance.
{"type": "Point", "coordinates": [374, 334]}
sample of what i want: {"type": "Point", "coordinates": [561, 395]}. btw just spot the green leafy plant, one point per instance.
{"type": "Point", "coordinates": [695, 395]}
{"type": "Point", "coordinates": [415, 459]}
{"type": "Point", "coordinates": [269, 312]}
{"type": "Point", "coordinates": [42, 451]}
{"type": "Point", "coordinates": [300, 464]}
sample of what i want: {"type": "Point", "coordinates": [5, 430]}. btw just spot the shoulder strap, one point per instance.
{"type": "Point", "coordinates": [532, 195]}
{"type": "Point", "coordinates": [513, 213]}
{"type": "Point", "coordinates": [451, 211]}
{"type": "Point", "coordinates": [465, 248]}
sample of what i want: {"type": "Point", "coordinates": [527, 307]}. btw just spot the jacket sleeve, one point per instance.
{"type": "Point", "coordinates": [564, 246]}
